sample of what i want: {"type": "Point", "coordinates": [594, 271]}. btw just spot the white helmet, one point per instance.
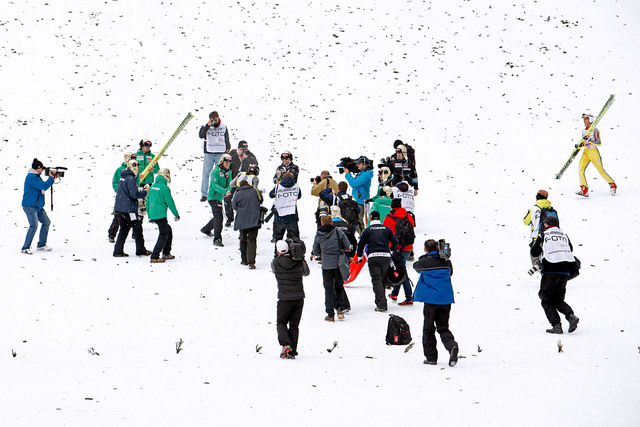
{"type": "Point", "coordinates": [134, 166]}
{"type": "Point", "coordinates": [224, 157]}
{"type": "Point", "coordinates": [166, 174]}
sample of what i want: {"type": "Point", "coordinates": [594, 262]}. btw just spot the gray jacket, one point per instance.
{"type": "Point", "coordinates": [329, 243]}
{"type": "Point", "coordinates": [246, 203]}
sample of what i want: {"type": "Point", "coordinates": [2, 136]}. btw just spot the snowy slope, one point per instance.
{"type": "Point", "coordinates": [489, 93]}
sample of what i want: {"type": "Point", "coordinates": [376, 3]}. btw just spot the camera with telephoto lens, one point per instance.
{"type": "Point", "coordinates": [536, 267]}
{"type": "Point", "coordinates": [58, 171]}
{"type": "Point", "coordinates": [316, 180]}
{"type": "Point", "coordinates": [444, 249]}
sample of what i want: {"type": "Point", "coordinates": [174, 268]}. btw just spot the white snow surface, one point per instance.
{"type": "Point", "coordinates": [489, 93]}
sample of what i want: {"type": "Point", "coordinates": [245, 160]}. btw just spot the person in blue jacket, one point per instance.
{"type": "Point", "coordinates": [33, 206]}
{"type": "Point", "coordinates": [360, 183]}
{"type": "Point", "coordinates": [435, 291]}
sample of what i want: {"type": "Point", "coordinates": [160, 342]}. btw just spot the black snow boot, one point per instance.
{"type": "Point", "coordinates": [573, 322]}
{"type": "Point", "coordinates": [556, 329]}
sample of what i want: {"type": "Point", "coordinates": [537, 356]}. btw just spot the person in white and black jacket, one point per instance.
{"type": "Point", "coordinates": [215, 136]}
{"type": "Point", "coordinates": [555, 250]}
{"type": "Point", "coordinates": [289, 275]}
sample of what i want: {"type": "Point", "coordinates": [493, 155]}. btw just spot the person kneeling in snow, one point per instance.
{"type": "Point", "coordinates": [159, 200]}
{"type": "Point", "coordinates": [289, 275]}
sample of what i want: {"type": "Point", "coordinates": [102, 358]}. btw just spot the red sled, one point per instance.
{"type": "Point", "coordinates": [354, 268]}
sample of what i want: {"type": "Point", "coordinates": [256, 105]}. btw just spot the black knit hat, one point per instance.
{"type": "Point", "coordinates": [542, 194]}
{"type": "Point", "coordinates": [396, 203]}
{"type": "Point", "coordinates": [243, 144]}
{"type": "Point", "coordinates": [36, 164]}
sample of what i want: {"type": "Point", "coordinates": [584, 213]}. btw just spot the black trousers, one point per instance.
{"type": "Point", "coordinates": [335, 297]}
{"type": "Point", "coordinates": [165, 237]}
{"type": "Point", "coordinates": [249, 244]}
{"type": "Point", "coordinates": [113, 228]}
{"type": "Point", "coordinates": [553, 288]}
{"type": "Point", "coordinates": [215, 223]}
{"type": "Point", "coordinates": [436, 318]}
{"type": "Point", "coordinates": [288, 319]}
{"type": "Point", "coordinates": [291, 228]}
{"type": "Point", "coordinates": [378, 268]}
{"type": "Point", "coordinates": [228, 208]}
{"type": "Point", "coordinates": [126, 224]}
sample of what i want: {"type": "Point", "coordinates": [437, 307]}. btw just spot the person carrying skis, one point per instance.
{"type": "Point", "coordinates": [215, 142]}
{"type": "Point", "coordinates": [219, 187]}
{"type": "Point", "coordinates": [289, 274]}
{"type": "Point", "coordinates": [33, 206]}
{"type": "Point", "coordinates": [126, 210]}
{"type": "Point", "coordinates": [434, 289]}
{"type": "Point", "coordinates": [556, 254]}
{"type": "Point", "coordinates": [113, 228]}
{"type": "Point", "coordinates": [159, 201]}
{"type": "Point", "coordinates": [590, 154]}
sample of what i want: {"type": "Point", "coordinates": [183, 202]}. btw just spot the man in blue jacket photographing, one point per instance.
{"type": "Point", "coordinates": [33, 206]}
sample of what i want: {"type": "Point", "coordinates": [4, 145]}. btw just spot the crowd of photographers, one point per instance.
{"type": "Point", "coordinates": [384, 221]}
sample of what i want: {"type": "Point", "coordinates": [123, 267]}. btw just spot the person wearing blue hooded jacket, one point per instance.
{"type": "Point", "coordinates": [434, 289]}
{"type": "Point", "coordinates": [360, 184]}
{"type": "Point", "coordinates": [33, 206]}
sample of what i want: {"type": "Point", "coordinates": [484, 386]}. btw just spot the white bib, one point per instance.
{"type": "Point", "coordinates": [215, 141]}
{"type": "Point", "coordinates": [555, 246]}
{"type": "Point", "coordinates": [286, 199]}
{"type": "Point", "coordinates": [406, 197]}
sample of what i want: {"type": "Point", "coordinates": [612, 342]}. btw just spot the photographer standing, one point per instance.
{"type": "Point", "coordinates": [434, 289]}
{"type": "Point", "coordinates": [321, 183]}
{"type": "Point", "coordinates": [33, 206]}
{"type": "Point", "coordinates": [215, 142]}
{"type": "Point", "coordinates": [360, 183]}
{"type": "Point", "coordinates": [126, 210]}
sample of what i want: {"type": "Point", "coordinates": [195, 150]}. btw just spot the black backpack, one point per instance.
{"type": "Point", "coordinates": [398, 332]}
{"type": "Point", "coordinates": [546, 213]}
{"type": "Point", "coordinates": [404, 231]}
{"type": "Point", "coordinates": [349, 211]}
{"type": "Point", "coordinates": [297, 249]}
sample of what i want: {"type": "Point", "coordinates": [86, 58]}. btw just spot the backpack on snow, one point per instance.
{"type": "Point", "coordinates": [546, 213]}
{"type": "Point", "coordinates": [404, 230]}
{"type": "Point", "coordinates": [297, 249]}
{"type": "Point", "coordinates": [398, 332]}
{"type": "Point", "coordinates": [349, 211]}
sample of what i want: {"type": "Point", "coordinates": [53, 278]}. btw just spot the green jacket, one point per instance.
{"type": "Point", "coordinates": [219, 183]}
{"type": "Point", "coordinates": [144, 160]}
{"type": "Point", "coordinates": [382, 204]}
{"type": "Point", "coordinates": [116, 177]}
{"type": "Point", "coordinates": [159, 199]}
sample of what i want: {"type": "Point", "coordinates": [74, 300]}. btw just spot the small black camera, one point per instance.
{"type": "Point", "coordinates": [58, 171]}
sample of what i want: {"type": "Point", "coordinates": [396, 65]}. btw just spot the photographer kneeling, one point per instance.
{"type": "Point", "coordinates": [33, 206]}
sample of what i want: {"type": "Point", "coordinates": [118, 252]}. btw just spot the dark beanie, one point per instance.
{"type": "Point", "coordinates": [396, 203]}
{"type": "Point", "coordinates": [374, 215]}
{"type": "Point", "coordinates": [242, 144]}
{"type": "Point", "coordinates": [36, 164]}
{"type": "Point", "coordinates": [542, 194]}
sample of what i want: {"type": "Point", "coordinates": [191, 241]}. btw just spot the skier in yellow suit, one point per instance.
{"type": "Point", "coordinates": [590, 154]}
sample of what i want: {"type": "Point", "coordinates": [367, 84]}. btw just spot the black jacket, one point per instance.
{"type": "Point", "coordinates": [379, 240]}
{"type": "Point", "coordinates": [242, 165]}
{"type": "Point", "coordinates": [127, 194]}
{"type": "Point", "coordinates": [551, 267]}
{"type": "Point", "coordinates": [289, 275]}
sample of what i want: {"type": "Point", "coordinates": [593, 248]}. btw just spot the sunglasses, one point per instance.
{"type": "Point", "coordinates": [285, 156]}
{"type": "Point", "coordinates": [146, 144]}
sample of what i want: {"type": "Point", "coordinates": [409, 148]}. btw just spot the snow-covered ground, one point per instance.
{"type": "Point", "coordinates": [490, 95]}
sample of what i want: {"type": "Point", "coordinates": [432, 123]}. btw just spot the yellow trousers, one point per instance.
{"type": "Point", "coordinates": [591, 155]}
